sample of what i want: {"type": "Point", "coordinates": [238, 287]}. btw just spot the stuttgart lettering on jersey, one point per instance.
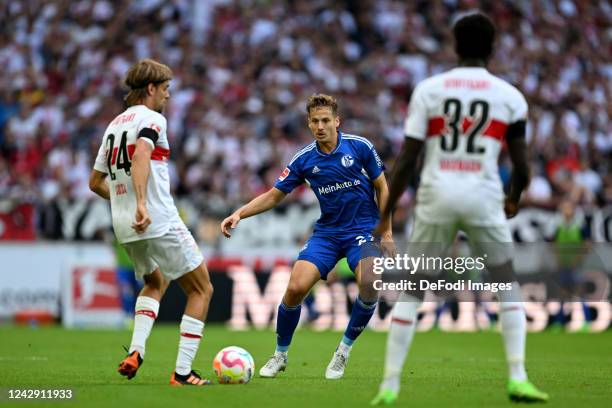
{"type": "Point", "coordinates": [466, 83]}
{"type": "Point", "coordinates": [121, 119]}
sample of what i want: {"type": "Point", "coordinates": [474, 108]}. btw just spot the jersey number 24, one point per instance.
{"type": "Point", "coordinates": [118, 157]}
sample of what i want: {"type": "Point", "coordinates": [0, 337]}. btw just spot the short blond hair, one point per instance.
{"type": "Point", "coordinates": [322, 101]}
{"type": "Point", "coordinates": [140, 75]}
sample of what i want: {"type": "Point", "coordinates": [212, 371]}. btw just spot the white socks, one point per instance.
{"type": "Point", "coordinates": [403, 324]}
{"type": "Point", "coordinates": [344, 348]}
{"type": "Point", "coordinates": [514, 329]}
{"type": "Point", "coordinates": [191, 334]}
{"type": "Point", "coordinates": [145, 314]}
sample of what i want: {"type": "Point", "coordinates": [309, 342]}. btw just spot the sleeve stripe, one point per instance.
{"type": "Point", "coordinates": [496, 129]}
{"type": "Point", "coordinates": [359, 138]}
{"type": "Point", "coordinates": [301, 152]}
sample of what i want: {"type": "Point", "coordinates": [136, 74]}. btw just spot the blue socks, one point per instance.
{"type": "Point", "coordinates": [360, 316]}
{"type": "Point", "coordinates": [286, 322]}
{"type": "Point", "coordinates": [288, 318]}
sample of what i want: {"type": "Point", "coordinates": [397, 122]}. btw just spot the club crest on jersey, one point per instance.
{"type": "Point", "coordinates": [284, 174]}
{"type": "Point", "coordinates": [155, 128]}
{"type": "Point", "coordinates": [347, 160]}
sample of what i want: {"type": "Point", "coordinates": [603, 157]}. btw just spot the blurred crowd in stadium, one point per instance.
{"type": "Point", "coordinates": [244, 69]}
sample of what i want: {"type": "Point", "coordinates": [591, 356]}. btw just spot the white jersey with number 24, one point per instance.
{"type": "Point", "coordinates": [115, 159]}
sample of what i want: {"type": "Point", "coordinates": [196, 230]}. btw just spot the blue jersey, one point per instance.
{"type": "Point", "coordinates": [342, 182]}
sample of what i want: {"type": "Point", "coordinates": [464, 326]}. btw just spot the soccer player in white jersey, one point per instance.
{"type": "Point", "coordinates": [462, 118]}
{"type": "Point", "coordinates": [131, 170]}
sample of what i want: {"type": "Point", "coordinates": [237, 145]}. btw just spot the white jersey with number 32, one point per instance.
{"type": "Point", "coordinates": [462, 115]}
{"type": "Point", "coordinates": [115, 159]}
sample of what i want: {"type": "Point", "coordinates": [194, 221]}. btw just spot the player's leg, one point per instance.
{"type": "Point", "coordinates": [180, 259]}
{"type": "Point", "coordinates": [430, 240]}
{"type": "Point", "coordinates": [496, 243]}
{"type": "Point", "coordinates": [360, 261]}
{"type": "Point", "coordinates": [404, 317]}
{"type": "Point", "coordinates": [316, 259]}
{"type": "Point", "coordinates": [146, 308]}
{"type": "Point", "coordinates": [303, 277]}
{"type": "Point", "coordinates": [311, 307]}
{"type": "Point", "coordinates": [365, 304]}
{"type": "Point", "coordinates": [196, 285]}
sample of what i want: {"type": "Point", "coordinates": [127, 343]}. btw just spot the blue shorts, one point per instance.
{"type": "Point", "coordinates": [325, 251]}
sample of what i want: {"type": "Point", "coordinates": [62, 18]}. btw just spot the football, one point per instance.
{"type": "Point", "coordinates": [233, 365]}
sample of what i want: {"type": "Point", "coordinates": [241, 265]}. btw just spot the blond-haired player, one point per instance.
{"type": "Point", "coordinates": [131, 170]}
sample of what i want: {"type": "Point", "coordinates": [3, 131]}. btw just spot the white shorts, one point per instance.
{"type": "Point", "coordinates": [494, 243]}
{"type": "Point", "coordinates": [450, 204]}
{"type": "Point", "coordinates": [176, 253]}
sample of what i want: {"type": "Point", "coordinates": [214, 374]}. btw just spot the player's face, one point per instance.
{"type": "Point", "coordinates": [161, 94]}
{"type": "Point", "coordinates": [323, 124]}
{"type": "Point", "coordinates": [567, 209]}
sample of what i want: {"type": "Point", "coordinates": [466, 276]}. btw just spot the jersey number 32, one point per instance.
{"type": "Point", "coordinates": [478, 115]}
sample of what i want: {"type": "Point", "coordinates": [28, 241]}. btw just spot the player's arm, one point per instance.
{"type": "Point", "coordinates": [517, 149]}
{"type": "Point", "coordinates": [382, 196]}
{"type": "Point", "coordinates": [403, 170]}
{"type": "Point", "coordinates": [415, 130]}
{"type": "Point", "coordinates": [98, 184]}
{"type": "Point", "coordinates": [141, 167]}
{"type": "Point", "coordinates": [259, 204]}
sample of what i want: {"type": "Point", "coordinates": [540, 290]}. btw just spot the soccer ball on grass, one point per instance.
{"type": "Point", "coordinates": [233, 365]}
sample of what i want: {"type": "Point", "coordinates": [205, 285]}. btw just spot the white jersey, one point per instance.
{"type": "Point", "coordinates": [115, 157]}
{"type": "Point", "coordinates": [462, 115]}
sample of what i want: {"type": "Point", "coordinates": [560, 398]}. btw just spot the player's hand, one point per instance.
{"type": "Point", "coordinates": [388, 245]}
{"type": "Point", "coordinates": [510, 208]}
{"type": "Point", "coordinates": [230, 222]}
{"type": "Point", "coordinates": [142, 219]}
{"type": "Point", "coordinates": [383, 227]}
{"type": "Point", "coordinates": [383, 231]}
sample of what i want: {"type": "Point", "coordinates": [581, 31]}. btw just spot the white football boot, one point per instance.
{"type": "Point", "coordinates": [276, 364]}
{"type": "Point", "coordinates": [335, 369]}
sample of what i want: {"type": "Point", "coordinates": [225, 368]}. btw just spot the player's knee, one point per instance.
{"type": "Point", "coordinates": [294, 294]}
{"type": "Point", "coordinates": [163, 287]}
{"type": "Point", "coordinates": [367, 292]}
{"type": "Point", "coordinates": [156, 282]}
{"type": "Point", "coordinates": [203, 288]}
{"type": "Point", "coordinates": [209, 289]}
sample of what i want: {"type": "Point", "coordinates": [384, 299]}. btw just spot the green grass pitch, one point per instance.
{"type": "Point", "coordinates": [443, 369]}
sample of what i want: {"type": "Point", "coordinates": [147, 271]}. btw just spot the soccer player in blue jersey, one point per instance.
{"type": "Point", "coordinates": [346, 174]}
